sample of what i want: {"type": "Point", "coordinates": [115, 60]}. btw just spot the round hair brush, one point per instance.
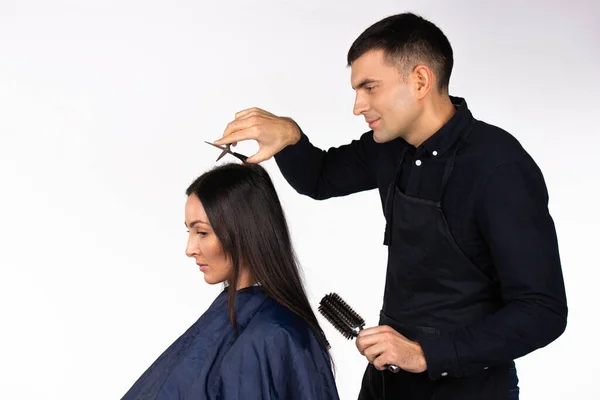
{"type": "Point", "coordinates": [344, 319]}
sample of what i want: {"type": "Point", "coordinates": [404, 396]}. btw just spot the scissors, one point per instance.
{"type": "Point", "coordinates": [226, 150]}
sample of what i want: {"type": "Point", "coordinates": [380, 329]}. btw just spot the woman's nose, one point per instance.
{"type": "Point", "coordinates": [191, 249]}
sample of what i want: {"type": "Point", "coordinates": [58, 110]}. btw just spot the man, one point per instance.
{"type": "Point", "coordinates": [474, 279]}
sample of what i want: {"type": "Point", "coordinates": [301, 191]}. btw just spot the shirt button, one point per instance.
{"type": "Point", "coordinates": [418, 162]}
{"type": "Point", "coordinates": [434, 153]}
{"type": "Point", "coordinates": [444, 374]}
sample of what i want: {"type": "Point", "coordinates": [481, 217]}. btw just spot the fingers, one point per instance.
{"type": "Point", "coordinates": [237, 125]}
{"type": "Point", "coordinates": [246, 121]}
{"type": "Point", "coordinates": [383, 345]}
{"type": "Point", "coordinates": [233, 138]}
{"type": "Point", "coordinates": [272, 133]}
{"type": "Point", "coordinates": [261, 156]}
{"type": "Point", "coordinates": [363, 342]}
{"type": "Point", "coordinates": [251, 111]}
{"type": "Point", "coordinates": [379, 341]}
{"type": "Point", "coordinates": [376, 330]}
{"type": "Point", "coordinates": [374, 351]}
{"type": "Point", "coordinates": [380, 354]}
{"type": "Point", "coordinates": [382, 361]}
{"type": "Point", "coordinates": [368, 337]}
{"type": "Point", "coordinates": [237, 131]}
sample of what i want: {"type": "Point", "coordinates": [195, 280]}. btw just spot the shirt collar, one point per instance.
{"type": "Point", "coordinates": [441, 141]}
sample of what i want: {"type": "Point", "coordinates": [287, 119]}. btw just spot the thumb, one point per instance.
{"type": "Point", "coordinates": [261, 156]}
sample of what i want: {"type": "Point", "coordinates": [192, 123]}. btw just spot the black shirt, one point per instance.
{"type": "Point", "coordinates": [496, 205]}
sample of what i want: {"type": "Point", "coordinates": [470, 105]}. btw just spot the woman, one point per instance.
{"type": "Point", "coordinates": [260, 338]}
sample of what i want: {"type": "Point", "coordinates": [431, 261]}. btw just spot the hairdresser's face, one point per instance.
{"type": "Point", "coordinates": [384, 97]}
{"type": "Point", "coordinates": [203, 245]}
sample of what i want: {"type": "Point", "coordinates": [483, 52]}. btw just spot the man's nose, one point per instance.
{"type": "Point", "coordinates": [360, 105]}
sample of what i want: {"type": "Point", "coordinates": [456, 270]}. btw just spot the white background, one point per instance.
{"type": "Point", "coordinates": [104, 106]}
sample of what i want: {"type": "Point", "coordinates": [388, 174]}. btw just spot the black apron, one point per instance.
{"type": "Point", "coordinates": [431, 288]}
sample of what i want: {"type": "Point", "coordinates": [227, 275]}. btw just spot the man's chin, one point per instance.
{"type": "Point", "coordinates": [380, 137]}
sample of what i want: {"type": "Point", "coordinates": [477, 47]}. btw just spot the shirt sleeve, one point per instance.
{"type": "Point", "coordinates": [514, 220]}
{"type": "Point", "coordinates": [336, 172]}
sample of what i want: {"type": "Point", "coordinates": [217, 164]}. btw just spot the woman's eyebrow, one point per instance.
{"type": "Point", "coordinates": [198, 221]}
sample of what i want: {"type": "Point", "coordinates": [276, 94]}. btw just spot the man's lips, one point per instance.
{"type": "Point", "coordinates": [372, 122]}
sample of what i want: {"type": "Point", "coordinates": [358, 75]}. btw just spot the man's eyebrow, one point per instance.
{"type": "Point", "coordinates": [365, 82]}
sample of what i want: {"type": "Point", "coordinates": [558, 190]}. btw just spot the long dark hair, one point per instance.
{"type": "Point", "coordinates": [245, 213]}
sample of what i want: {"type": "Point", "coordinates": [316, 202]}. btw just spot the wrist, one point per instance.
{"type": "Point", "coordinates": [420, 358]}
{"type": "Point", "coordinates": [293, 134]}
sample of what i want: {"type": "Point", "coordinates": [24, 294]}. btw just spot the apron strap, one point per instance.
{"type": "Point", "coordinates": [388, 211]}
{"type": "Point", "coordinates": [450, 164]}
{"type": "Point", "coordinates": [389, 198]}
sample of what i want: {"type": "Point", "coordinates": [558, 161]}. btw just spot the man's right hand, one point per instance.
{"type": "Point", "coordinates": [272, 133]}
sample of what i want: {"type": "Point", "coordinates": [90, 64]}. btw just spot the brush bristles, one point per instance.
{"type": "Point", "coordinates": [337, 323]}
{"type": "Point", "coordinates": [341, 315]}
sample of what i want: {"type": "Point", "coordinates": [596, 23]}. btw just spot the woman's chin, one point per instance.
{"type": "Point", "coordinates": [211, 280]}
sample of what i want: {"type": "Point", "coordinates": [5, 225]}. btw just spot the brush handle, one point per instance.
{"type": "Point", "coordinates": [393, 368]}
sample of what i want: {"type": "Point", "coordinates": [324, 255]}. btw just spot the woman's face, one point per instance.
{"type": "Point", "coordinates": [203, 245]}
{"type": "Point", "coordinates": [205, 248]}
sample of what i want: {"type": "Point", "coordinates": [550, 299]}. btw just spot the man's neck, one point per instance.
{"type": "Point", "coordinates": [436, 114]}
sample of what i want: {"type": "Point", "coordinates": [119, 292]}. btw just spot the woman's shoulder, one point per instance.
{"type": "Point", "coordinates": [276, 320]}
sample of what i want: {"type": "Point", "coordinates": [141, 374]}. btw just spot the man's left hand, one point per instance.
{"type": "Point", "coordinates": [383, 345]}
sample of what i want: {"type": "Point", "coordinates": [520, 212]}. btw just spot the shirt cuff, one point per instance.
{"type": "Point", "coordinates": [441, 357]}
{"type": "Point", "coordinates": [293, 151]}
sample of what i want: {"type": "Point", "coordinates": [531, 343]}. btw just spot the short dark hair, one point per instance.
{"type": "Point", "coordinates": [243, 208]}
{"type": "Point", "coordinates": [408, 40]}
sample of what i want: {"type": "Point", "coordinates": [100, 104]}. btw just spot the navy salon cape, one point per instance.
{"type": "Point", "coordinates": [275, 356]}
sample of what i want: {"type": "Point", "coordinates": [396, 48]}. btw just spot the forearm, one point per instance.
{"type": "Point", "coordinates": [301, 165]}
{"type": "Point", "coordinates": [323, 174]}
{"type": "Point", "coordinates": [516, 330]}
